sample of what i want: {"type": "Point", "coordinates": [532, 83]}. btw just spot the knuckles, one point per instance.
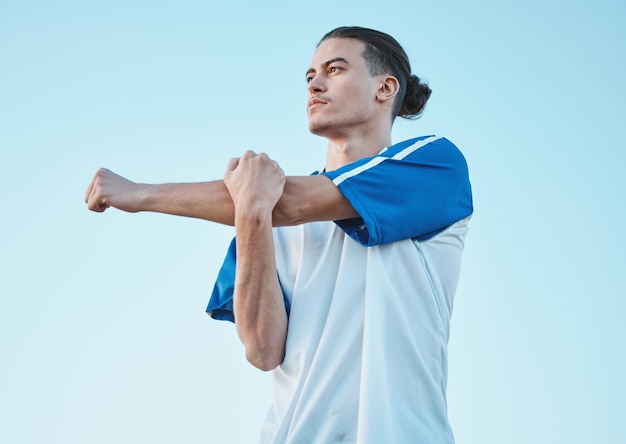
{"type": "Point", "coordinates": [256, 160]}
{"type": "Point", "coordinates": [254, 167]}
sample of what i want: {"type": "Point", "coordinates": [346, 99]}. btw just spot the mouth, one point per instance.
{"type": "Point", "coordinates": [315, 102]}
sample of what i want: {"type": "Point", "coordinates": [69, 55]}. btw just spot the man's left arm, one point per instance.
{"type": "Point", "coordinates": [255, 184]}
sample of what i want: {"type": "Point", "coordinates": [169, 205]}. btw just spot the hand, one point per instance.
{"type": "Point", "coordinates": [108, 189]}
{"type": "Point", "coordinates": [255, 182]}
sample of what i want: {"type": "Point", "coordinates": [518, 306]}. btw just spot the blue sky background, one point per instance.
{"type": "Point", "coordinates": [103, 335]}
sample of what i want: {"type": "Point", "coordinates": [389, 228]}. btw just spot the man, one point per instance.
{"type": "Point", "coordinates": [343, 281]}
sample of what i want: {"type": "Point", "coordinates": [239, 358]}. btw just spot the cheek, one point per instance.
{"type": "Point", "coordinates": [355, 98]}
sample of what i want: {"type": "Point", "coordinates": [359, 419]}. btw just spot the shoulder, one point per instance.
{"type": "Point", "coordinates": [433, 145]}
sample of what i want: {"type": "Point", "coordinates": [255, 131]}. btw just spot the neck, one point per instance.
{"type": "Point", "coordinates": [344, 150]}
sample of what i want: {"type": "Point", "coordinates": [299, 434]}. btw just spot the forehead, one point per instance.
{"type": "Point", "coordinates": [329, 49]}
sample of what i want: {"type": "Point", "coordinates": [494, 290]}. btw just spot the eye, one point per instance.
{"type": "Point", "coordinates": [333, 69]}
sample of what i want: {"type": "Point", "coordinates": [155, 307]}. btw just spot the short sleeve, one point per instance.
{"type": "Point", "coordinates": [414, 189]}
{"type": "Point", "coordinates": [220, 306]}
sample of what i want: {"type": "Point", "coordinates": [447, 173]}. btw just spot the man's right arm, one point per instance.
{"type": "Point", "coordinates": [304, 199]}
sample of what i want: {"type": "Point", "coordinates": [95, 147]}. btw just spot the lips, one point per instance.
{"type": "Point", "coordinates": [315, 102]}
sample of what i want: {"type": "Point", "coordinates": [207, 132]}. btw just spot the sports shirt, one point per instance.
{"type": "Point", "coordinates": [369, 302]}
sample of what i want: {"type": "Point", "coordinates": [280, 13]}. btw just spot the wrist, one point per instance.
{"type": "Point", "coordinates": [145, 197]}
{"type": "Point", "coordinates": [252, 216]}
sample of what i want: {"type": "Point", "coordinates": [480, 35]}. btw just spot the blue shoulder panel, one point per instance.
{"type": "Point", "coordinates": [412, 190]}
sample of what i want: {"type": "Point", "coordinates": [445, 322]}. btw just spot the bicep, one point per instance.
{"type": "Point", "coordinates": [311, 198]}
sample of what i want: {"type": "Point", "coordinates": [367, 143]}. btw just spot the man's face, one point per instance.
{"type": "Point", "coordinates": [342, 93]}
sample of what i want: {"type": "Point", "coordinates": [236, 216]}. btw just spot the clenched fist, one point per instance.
{"type": "Point", "coordinates": [255, 182]}
{"type": "Point", "coordinates": [108, 189]}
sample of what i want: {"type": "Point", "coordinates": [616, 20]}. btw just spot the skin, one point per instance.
{"type": "Point", "coordinates": [256, 184]}
{"type": "Point", "coordinates": [347, 106]}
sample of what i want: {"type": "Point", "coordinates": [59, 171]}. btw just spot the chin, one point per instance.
{"type": "Point", "coordinates": [319, 128]}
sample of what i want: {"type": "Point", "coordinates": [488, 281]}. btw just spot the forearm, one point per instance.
{"type": "Point", "coordinates": [203, 200]}
{"type": "Point", "coordinates": [259, 309]}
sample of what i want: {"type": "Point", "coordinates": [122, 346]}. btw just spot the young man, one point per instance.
{"type": "Point", "coordinates": [343, 281]}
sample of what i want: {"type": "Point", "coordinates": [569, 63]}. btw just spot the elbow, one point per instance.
{"type": "Point", "coordinates": [292, 209]}
{"type": "Point", "coordinates": [265, 358]}
{"type": "Point", "coordinates": [264, 351]}
{"type": "Point", "coordinates": [286, 214]}
{"type": "Point", "coordinates": [264, 336]}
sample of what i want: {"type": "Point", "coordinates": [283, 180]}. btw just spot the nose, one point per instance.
{"type": "Point", "coordinates": [316, 85]}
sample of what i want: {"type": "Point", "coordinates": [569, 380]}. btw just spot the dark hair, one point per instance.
{"type": "Point", "coordinates": [384, 55]}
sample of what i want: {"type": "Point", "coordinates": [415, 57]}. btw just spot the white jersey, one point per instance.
{"type": "Point", "coordinates": [369, 303]}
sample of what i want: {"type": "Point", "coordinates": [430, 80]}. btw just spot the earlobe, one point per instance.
{"type": "Point", "coordinates": [388, 88]}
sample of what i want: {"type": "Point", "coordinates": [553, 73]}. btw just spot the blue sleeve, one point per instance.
{"type": "Point", "coordinates": [414, 189]}
{"type": "Point", "coordinates": [220, 305]}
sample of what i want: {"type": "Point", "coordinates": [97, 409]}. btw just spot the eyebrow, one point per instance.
{"type": "Point", "coordinates": [329, 62]}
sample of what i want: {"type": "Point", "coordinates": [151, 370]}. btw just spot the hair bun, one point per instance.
{"type": "Point", "coordinates": [415, 98]}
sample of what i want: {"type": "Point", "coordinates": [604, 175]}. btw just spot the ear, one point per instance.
{"type": "Point", "coordinates": [388, 88]}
